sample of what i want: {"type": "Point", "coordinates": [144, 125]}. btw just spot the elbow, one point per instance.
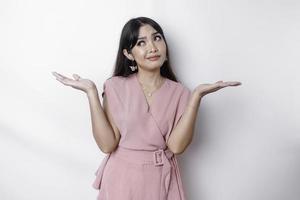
{"type": "Point", "coordinates": [176, 150]}
{"type": "Point", "coordinates": [106, 151]}
{"type": "Point", "coordinates": [109, 149]}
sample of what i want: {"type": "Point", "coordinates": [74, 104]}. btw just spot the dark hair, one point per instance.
{"type": "Point", "coordinates": [128, 39]}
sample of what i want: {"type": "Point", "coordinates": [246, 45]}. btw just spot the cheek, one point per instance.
{"type": "Point", "coordinates": [139, 54]}
{"type": "Point", "coordinates": [162, 47]}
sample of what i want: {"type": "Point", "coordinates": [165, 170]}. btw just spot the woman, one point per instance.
{"type": "Point", "coordinates": [148, 117]}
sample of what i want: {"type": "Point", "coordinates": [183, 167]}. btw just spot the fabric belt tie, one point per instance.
{"type": "Point", "coordinates": [159, 157]}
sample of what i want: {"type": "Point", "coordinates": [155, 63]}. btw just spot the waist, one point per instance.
{"type": "Point", "coordinates": [157, 157]}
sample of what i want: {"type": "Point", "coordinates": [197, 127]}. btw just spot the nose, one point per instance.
{"type": "Point", "coordinates": [153, 47]}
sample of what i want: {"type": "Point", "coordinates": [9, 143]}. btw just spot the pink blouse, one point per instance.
{"type": "Point", "coordinates": [142, 127]}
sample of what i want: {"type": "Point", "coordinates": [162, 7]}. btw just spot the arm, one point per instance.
{"type": "Point", "coordinates": [182, 135]}
{"type": "Point", "coordinates": [105, 132]}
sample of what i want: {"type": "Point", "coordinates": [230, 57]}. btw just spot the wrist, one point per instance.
{"type": "Point", "coordinates": [92, 92]}
{"type": "Point", "coordinates": [196, 94]}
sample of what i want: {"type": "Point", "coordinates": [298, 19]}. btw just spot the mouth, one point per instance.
{"type": "Point", "coordinates": [153, 58]}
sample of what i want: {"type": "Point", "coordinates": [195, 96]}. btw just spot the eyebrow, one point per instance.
{"type": "Point", "coordinates": [145, 37]}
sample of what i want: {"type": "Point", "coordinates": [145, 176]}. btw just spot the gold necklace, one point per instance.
{"type": "Point", "coordinates": [149, 94]}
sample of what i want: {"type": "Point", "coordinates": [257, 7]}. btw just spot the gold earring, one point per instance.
{"type": "Point", "coordinates": [133, 66]}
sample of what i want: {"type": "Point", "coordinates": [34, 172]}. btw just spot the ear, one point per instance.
{"type": "Point", "coordinates": [128, 55]}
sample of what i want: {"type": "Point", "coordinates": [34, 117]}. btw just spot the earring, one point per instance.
{"type": "Point", "coordinates": [132, 66]}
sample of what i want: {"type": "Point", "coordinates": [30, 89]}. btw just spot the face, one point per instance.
{"type": "Point", "coordinates": [149, 44]}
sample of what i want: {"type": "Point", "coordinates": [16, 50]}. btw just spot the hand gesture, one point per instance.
{"type": "Point", "coordinates": [79, 83]}
{"type": "Point", "coordinates": [204, 89]}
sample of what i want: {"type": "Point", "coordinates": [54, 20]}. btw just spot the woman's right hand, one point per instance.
{"type": "Point", "coordinates": [79, 83]}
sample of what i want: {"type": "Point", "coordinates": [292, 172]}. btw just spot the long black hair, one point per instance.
{"type": "Point", "coordinates": [128, 39]}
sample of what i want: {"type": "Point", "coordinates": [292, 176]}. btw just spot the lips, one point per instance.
{"type": "Point", "coordinates": [153, 57]}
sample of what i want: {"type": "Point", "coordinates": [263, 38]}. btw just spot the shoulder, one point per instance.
{"type": "Point", "coordinates": [115, 81]}
{"type": "Point", "coordinates": [114, 85]}
{"type": "Point", "coordinates": [179, 87]}
{"type": "Point", "coordinates": [117, 84]}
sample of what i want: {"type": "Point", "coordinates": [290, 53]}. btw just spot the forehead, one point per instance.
{"type": "Point", "coordinates": [146, 30]}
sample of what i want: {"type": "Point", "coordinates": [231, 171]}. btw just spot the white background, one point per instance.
{"type": "Point", "coordinates": [247, 141]}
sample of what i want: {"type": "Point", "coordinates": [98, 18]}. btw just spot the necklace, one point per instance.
{"type": "Point", "coordinates": [149, 93]}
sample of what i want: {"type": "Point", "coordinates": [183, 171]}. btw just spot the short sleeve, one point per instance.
{"type": "Point", "coordinates": [106, 87]}
{"type": "Point", "coordinates": [182, 103]}
{"type": "Point", "coordinates": [110, 91]}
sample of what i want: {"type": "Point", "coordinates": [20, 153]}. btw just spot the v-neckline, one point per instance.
{"type": "Point", "coordinates": [154, 93]}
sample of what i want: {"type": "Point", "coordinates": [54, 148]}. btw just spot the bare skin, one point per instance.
{"type": "Point", "coordinates": [77, 82]}
{"type": "Point", "coordinates": [105, 131]}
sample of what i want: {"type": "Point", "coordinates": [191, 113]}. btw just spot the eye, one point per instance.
{"type": "Point", "coordinates": [158, 36]}
{"type": "Point", "coordinates": [139, 43]}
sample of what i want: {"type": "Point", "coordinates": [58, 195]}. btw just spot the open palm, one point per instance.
{"type": "Point", "coordinates": [204, 89]}
{"type": "Point", "coordinates": [79, 83]}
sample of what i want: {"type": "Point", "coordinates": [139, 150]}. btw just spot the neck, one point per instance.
{"type": "Point", "coordinates": [149, 78]}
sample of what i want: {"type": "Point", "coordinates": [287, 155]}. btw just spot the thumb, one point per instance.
{"type": "Point", "coordinates": [76, 77]}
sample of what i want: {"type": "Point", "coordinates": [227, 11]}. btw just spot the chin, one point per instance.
{"type": "Point", "coordinates": [155, 65]}
{"type": "Point", "coordinates": [152, 68]}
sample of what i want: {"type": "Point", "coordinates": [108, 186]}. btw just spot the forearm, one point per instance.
{"type": "Point", "coordinates": [102, 130]}
{"type": "Point", "coordinates": [182, 135]}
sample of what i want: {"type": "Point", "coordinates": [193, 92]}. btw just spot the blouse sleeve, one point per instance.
{"type": "Point", "coordinates": [182, 103]}
{"type": "Point", "coordinates": [114, 103]}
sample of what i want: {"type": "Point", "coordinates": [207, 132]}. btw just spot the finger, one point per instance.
{"type": "Point", "coordinates": [237, 83]}
{"type": "Point", "coordinates": [56, 74]}
{"type": "Point", "coordinates": [60, 76]}
{"type": "Point", "coordinates": [67, 82]}
{"type": "Point", "coordinates": [233, 83]}
{"type": "Point", "coordinates": [76, 77]}
{"type": "Point", "coordinates": [220, 84]}
{"type": "Point", "coordinates": [229, 83]}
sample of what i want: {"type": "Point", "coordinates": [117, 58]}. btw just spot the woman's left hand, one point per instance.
{"type": "Point", "coordinates": [204, 89]}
